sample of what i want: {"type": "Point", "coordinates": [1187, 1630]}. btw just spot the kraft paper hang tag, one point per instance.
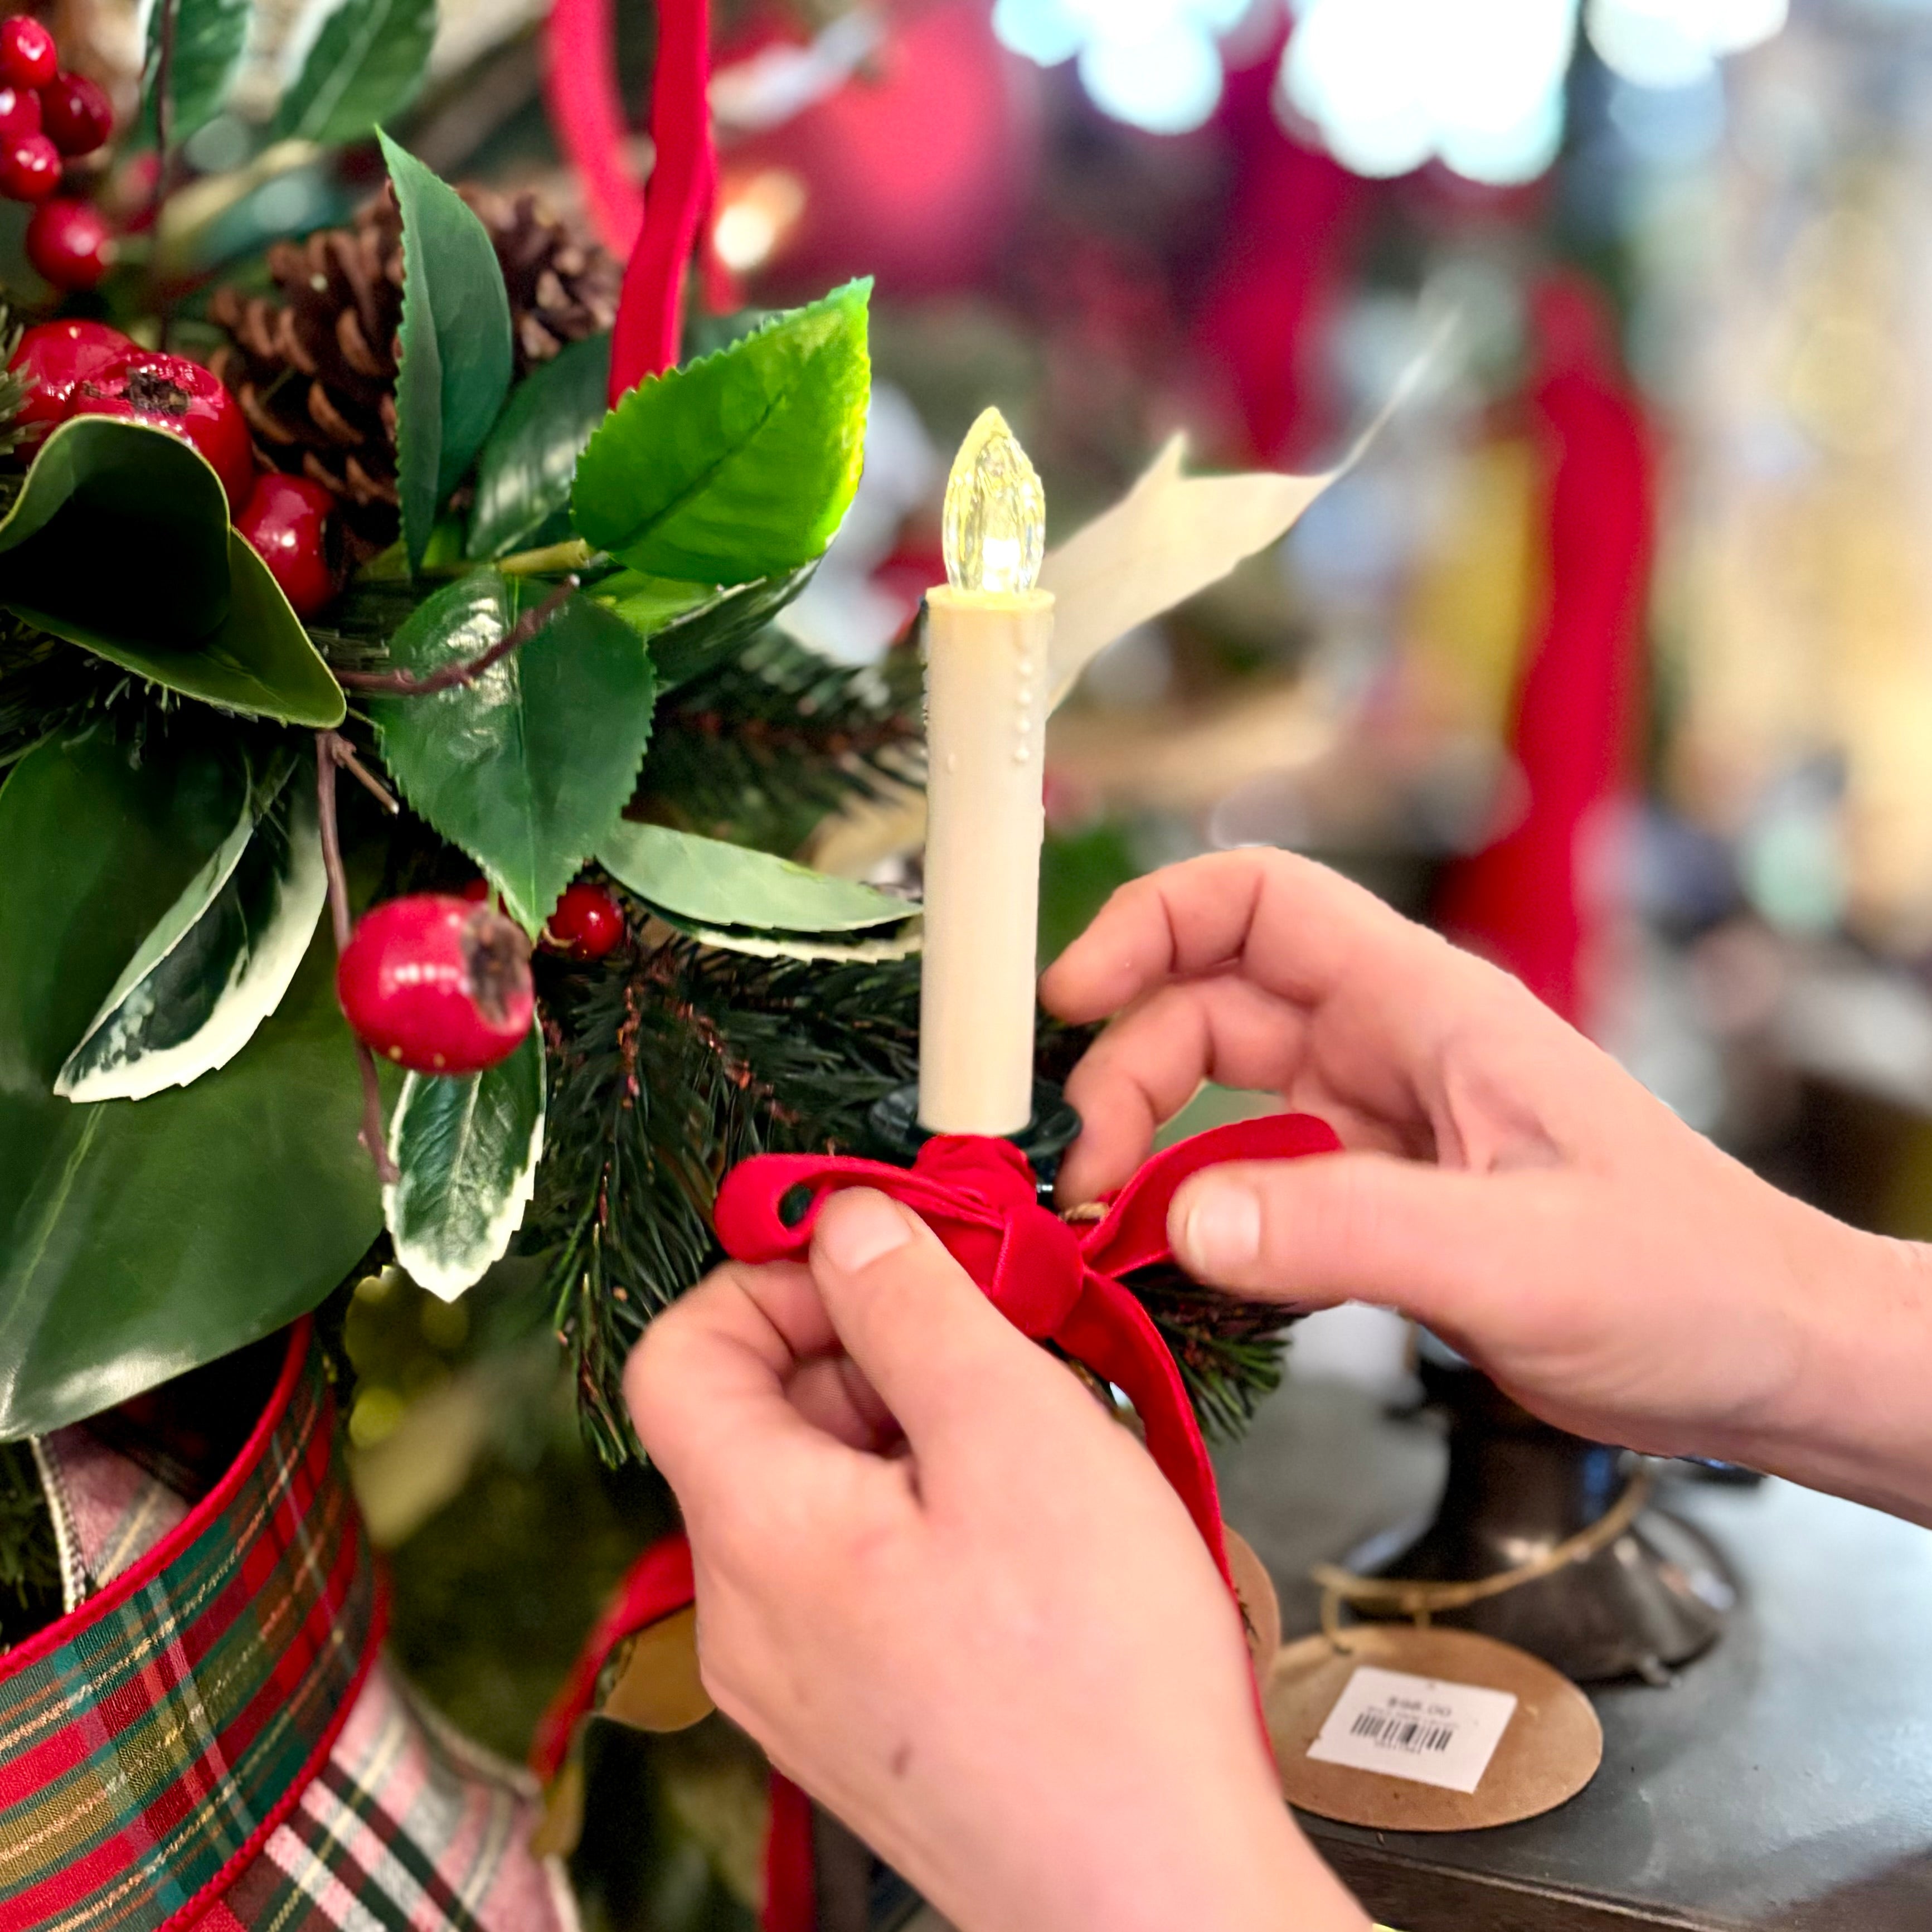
{"type": "Point", "coordinates": [1260, 1608]}
{"type": "Point", "coordinates": [657, 1686]}
{"type": "Point", "coordinates": [1403, 1730]}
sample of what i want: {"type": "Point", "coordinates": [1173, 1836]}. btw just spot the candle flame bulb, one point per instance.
{"type": "Point", "coordinates": [994, 522]}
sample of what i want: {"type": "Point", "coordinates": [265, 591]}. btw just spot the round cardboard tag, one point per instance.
{"type": "Point", "coordinates": [1381, 1727]}
{"type": "Point", "coordinates": [1260, 1608]}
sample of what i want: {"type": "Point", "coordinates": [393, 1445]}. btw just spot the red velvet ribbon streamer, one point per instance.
{"type": "Point", "coordinates": [1054, 1281]}
{"type": "Point", "coordinates": [659, 232]}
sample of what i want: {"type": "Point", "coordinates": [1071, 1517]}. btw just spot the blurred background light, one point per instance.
{"type": "Point", "coordinates": [1389, 85]}
{"type": "Point", "coordinates": [1153, 64]}
{"type": "Point", "coordinates": [1675, 43]}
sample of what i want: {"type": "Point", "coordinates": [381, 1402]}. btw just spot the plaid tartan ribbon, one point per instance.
{"type": "Point", "coordinates": [152, 1741]}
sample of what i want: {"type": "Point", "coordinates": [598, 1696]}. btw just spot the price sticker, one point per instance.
{"type": "Point", "coordinates": [1421, 1728]}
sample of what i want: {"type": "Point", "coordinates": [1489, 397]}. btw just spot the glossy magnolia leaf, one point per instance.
{"type": "Point", "coordinates": [455, 344]}
{"type": "Point", "coordinates": [822, 948]}
{"type": "Point", "coordinates": [365, 65]}
{"type": "Point", "coordinates": [209, 38]}
{"type": "Point", "coordinates": [139, 1238]}
{"type": "Point", "coordinates": [743, 464]}
{"type": "Point", "coordinates": [466, 1150]}
{"type": "Point", "coordinates": [523, 475]}
{"type": "Point", "coordinates": [528, 768]}
{"type": "Point", "coordinates": [219, 961]}
{"type": "Point", "coordinates": [711, 884]}
{"type": "Point", "coordinates": [119, 541]}
{"type": "Point", "coordinates": [693, 626]}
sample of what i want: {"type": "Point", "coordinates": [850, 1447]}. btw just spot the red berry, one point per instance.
{"type": "Point", "coordinates": [27, 55]}
{"type": "Point", "coordinates": [58, 354]}
{"type": "Point", "coordinates": [70, 243]}
{"type": "Point", "coordinates": [586, 924]}
{"type": "Point", "coordinates": [182, 397]}
{"type": "Point", "coordinates": [20, 114]}
{"type": "Point", "coordinates": [477, 891]}
{"type": "Point", "coordinates": [290, 521]}
{"type": "Point", "coordinates": [436, 984]}
{"type": "Point", "coordinates": [30, 169]}
{"type": "Point", "coordinates": [75, 114]}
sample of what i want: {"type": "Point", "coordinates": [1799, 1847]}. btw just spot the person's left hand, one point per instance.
{"type": "Point", "coordinates": [957, 1602]}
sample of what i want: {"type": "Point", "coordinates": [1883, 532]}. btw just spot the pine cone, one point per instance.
{"type": "Point", "coordinates": [316, 371]}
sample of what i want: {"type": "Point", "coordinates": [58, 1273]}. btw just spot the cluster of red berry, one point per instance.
{"type": "Point", "coordinates": [46, 119]}
{"type": "Point", "coordinates": [76, 368]}
{"type": "Point", "coordinates": [440, 983]}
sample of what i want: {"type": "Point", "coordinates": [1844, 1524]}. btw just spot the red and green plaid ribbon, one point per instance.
{"type": "Point", "coordinates": [152, 1741]}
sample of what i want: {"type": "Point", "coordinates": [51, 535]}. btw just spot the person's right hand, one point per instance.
{"type": "Point", "coordinates": [1507, 1183]}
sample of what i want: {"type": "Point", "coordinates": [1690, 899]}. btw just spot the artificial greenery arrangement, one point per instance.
{"type": "Point", "coordinates": [436, 593]}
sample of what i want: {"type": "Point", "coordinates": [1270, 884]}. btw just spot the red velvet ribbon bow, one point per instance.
{"type": "Point", "coordinates": [1054, 1281]}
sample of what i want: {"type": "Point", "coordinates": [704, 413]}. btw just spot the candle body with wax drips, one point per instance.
{"type": "Point", "coordinates": [987, 685]}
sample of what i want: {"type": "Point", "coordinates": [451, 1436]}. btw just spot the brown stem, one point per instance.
{"type": "Point", "coordinates": [164, 66]}
{"type": "Point", "coordinates": [408, 684]}
{"type": "Point", "coordinates": [332, 749]}
{"type": "Point", "coordinates": [345, 756]}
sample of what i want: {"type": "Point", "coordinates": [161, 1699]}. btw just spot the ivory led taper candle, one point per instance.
{"type": "Point", "coordinates": [987, 631]}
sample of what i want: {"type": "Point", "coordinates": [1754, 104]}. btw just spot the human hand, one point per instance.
{"type": "Point", "coordinates": [956, 1601]}
{"type": "Point", "coordinates": [1507, 1183]}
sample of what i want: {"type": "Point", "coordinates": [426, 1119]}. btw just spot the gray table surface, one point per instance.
{"type": "Point", "coordinates": [1784, 1780]}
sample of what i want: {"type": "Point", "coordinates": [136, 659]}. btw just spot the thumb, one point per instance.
{"type": "Point", "coordinates": [1444, 1246]}
{"type": "Point", "coordinates": [938, 1353]}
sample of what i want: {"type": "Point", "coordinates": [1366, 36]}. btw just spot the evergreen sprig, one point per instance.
{"type": "Point", "coordinates": [760, 746]}
{"type": "Point", "coordinates": [665, 1074]}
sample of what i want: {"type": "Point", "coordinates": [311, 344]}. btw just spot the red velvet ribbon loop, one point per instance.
{"type": "Point", "coordinates": [1053, 1282]}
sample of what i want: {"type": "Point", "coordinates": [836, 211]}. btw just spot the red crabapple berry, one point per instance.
{"type": "Point", "coordinates": [173, 394]}
{"type": "Point", "coordinates": [75, 114]}
{"type": "Point", "coordinates": [437, 984]}
{"type": "Point", "coordinates": [55, 356]}
{"type": "Point", "coordinates": [30, 169]}
{"type": "Point", "coordinates": [71, 245]}
{"type": "Point", "coordinates": [288, 521]}
{"type": "Point", "coordinates": [27, 55]}
{"type": "Point", "coordinates": [587, 923]}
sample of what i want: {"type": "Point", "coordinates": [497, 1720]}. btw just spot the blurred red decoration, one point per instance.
{"type": "Point", "coordinates": [914, 170]}
{"type": "Point", "coordinates": [1536, 901]}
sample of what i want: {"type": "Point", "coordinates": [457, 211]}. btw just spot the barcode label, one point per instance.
{"type": "Point", "coordinates": [1417, 1728]}
{"type": "Point", "coordinates": [1408, 1734]}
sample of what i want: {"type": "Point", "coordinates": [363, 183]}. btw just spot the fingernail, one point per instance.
{"type": "Point", "coordinates": [865, 1226]}
{"type": "Point", "coordinates": [1221, 1229]}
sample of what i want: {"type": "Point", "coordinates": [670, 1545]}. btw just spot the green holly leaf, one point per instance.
{"type": "Point", "coordinates": [119, 541]}
{"type": "Point", "coordinates": [690, 626]}
{"type": "Point", "coordinates": [209, 38]}
{"type": "Point", "coordinates": [466, 1149]}
{"type": "Point", "coordinates": [218, 961]}
{"type": "Point", "coordinates": [140, 1238]}
{"type": "Point", "coordinates": [365, 65]}
{"type": "Point", "coordinates": [740, 465]}
{"type": "Point", "coordinates": [523, 475]}
{"type": "Point", "coordinates": [455, 344]}
{"type": "Point", "coordinates": [529, 767]}
{"type": "Point", "coordinates": [710, 884]}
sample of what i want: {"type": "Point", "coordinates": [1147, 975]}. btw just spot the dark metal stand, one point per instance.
{"type": "Point", "coordinates": [1652, 1597]}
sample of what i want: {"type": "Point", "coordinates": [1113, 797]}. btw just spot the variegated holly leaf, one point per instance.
{"type": "Point", "coordinates": [707, 883]}
{"type": "Point", "coordinates": [217, 962]}
{"type": "Point", "coordinates": [466, 1148]}
{"type": "Point", "coordinates": [821, 948]}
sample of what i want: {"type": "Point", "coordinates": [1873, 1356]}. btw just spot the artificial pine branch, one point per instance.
{"type": "Point", "coordinates": [1228, 1350]}
{"type": "Point", "coordinates": [759, 748]}
{"type": "Point", "coordinates": [666, 1071]}
{"type": "Point", "coordinates": [30, 1578]}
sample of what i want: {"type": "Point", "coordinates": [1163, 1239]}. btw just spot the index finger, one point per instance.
{"type": "Point", "coordinates": [1289, 925]}
{"type": "Point", "coordinates": [708, 1386]}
